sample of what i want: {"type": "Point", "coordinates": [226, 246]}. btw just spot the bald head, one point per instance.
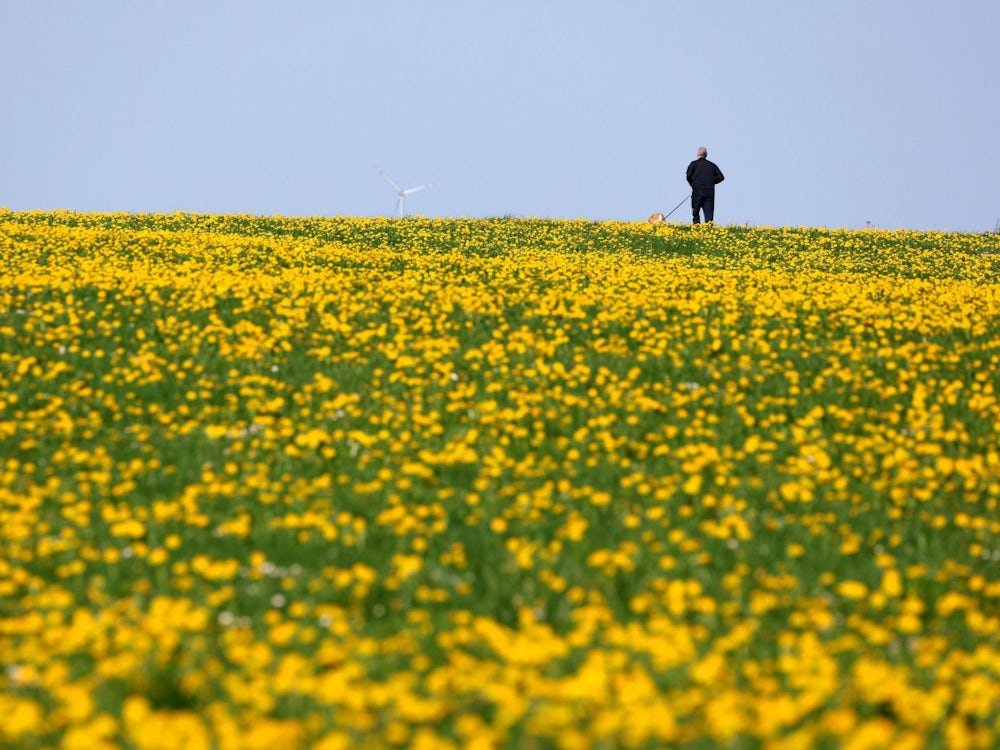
{"type": "Point", "coordinates": [702, 151]}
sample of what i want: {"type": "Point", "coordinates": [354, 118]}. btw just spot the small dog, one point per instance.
{"type": "Point", "coordinates": [656, 218]}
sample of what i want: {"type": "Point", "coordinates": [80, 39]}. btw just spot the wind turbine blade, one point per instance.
{"type": "Point", "coordinates": [388, 179]}
{"type": "Point", "coordinates": [411, 190]}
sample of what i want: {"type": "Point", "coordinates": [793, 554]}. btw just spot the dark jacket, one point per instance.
{"type": "Point", "coordinates": [703, 176]}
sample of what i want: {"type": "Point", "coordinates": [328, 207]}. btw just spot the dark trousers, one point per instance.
{"type": "Point", "coordinates": [702, 202]}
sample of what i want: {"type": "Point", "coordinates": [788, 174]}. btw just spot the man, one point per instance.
{"type": "Point", "coordinates": [703, 176]}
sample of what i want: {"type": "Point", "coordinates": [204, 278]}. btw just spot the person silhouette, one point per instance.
{"type": "Point", "coordinates": [703, 176]}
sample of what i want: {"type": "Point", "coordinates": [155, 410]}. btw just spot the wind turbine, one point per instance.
{"type": "Point", "coordinates": [400, 193]}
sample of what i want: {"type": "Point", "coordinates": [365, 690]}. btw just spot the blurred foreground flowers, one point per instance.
{"type": "Point", "coordinates": [332, 483]}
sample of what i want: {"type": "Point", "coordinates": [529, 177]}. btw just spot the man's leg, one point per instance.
{"type": "Point", "coordinates": [695, 208]}
{"type": "Point", "coordinates": [708, 203]}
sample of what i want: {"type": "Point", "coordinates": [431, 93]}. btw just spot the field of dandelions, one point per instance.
{"type": "Point", "coordinates": [507, 483]}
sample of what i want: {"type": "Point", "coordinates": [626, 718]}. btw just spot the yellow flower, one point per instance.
{"type": "Point", "coordinates": [854, 590]}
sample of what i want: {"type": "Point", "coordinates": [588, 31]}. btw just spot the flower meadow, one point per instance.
{"type": "Point", "coordinates": [502, 483]}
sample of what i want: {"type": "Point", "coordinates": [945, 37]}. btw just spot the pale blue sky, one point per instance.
{"type": "Point", "coordinates": [820, 113]}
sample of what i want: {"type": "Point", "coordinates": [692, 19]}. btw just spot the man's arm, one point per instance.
{"type": "Point", "coordinates": [719, 177]}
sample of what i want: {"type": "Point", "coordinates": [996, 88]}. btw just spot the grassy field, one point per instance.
{"type": "Point", "coordinates": [349, 483]}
